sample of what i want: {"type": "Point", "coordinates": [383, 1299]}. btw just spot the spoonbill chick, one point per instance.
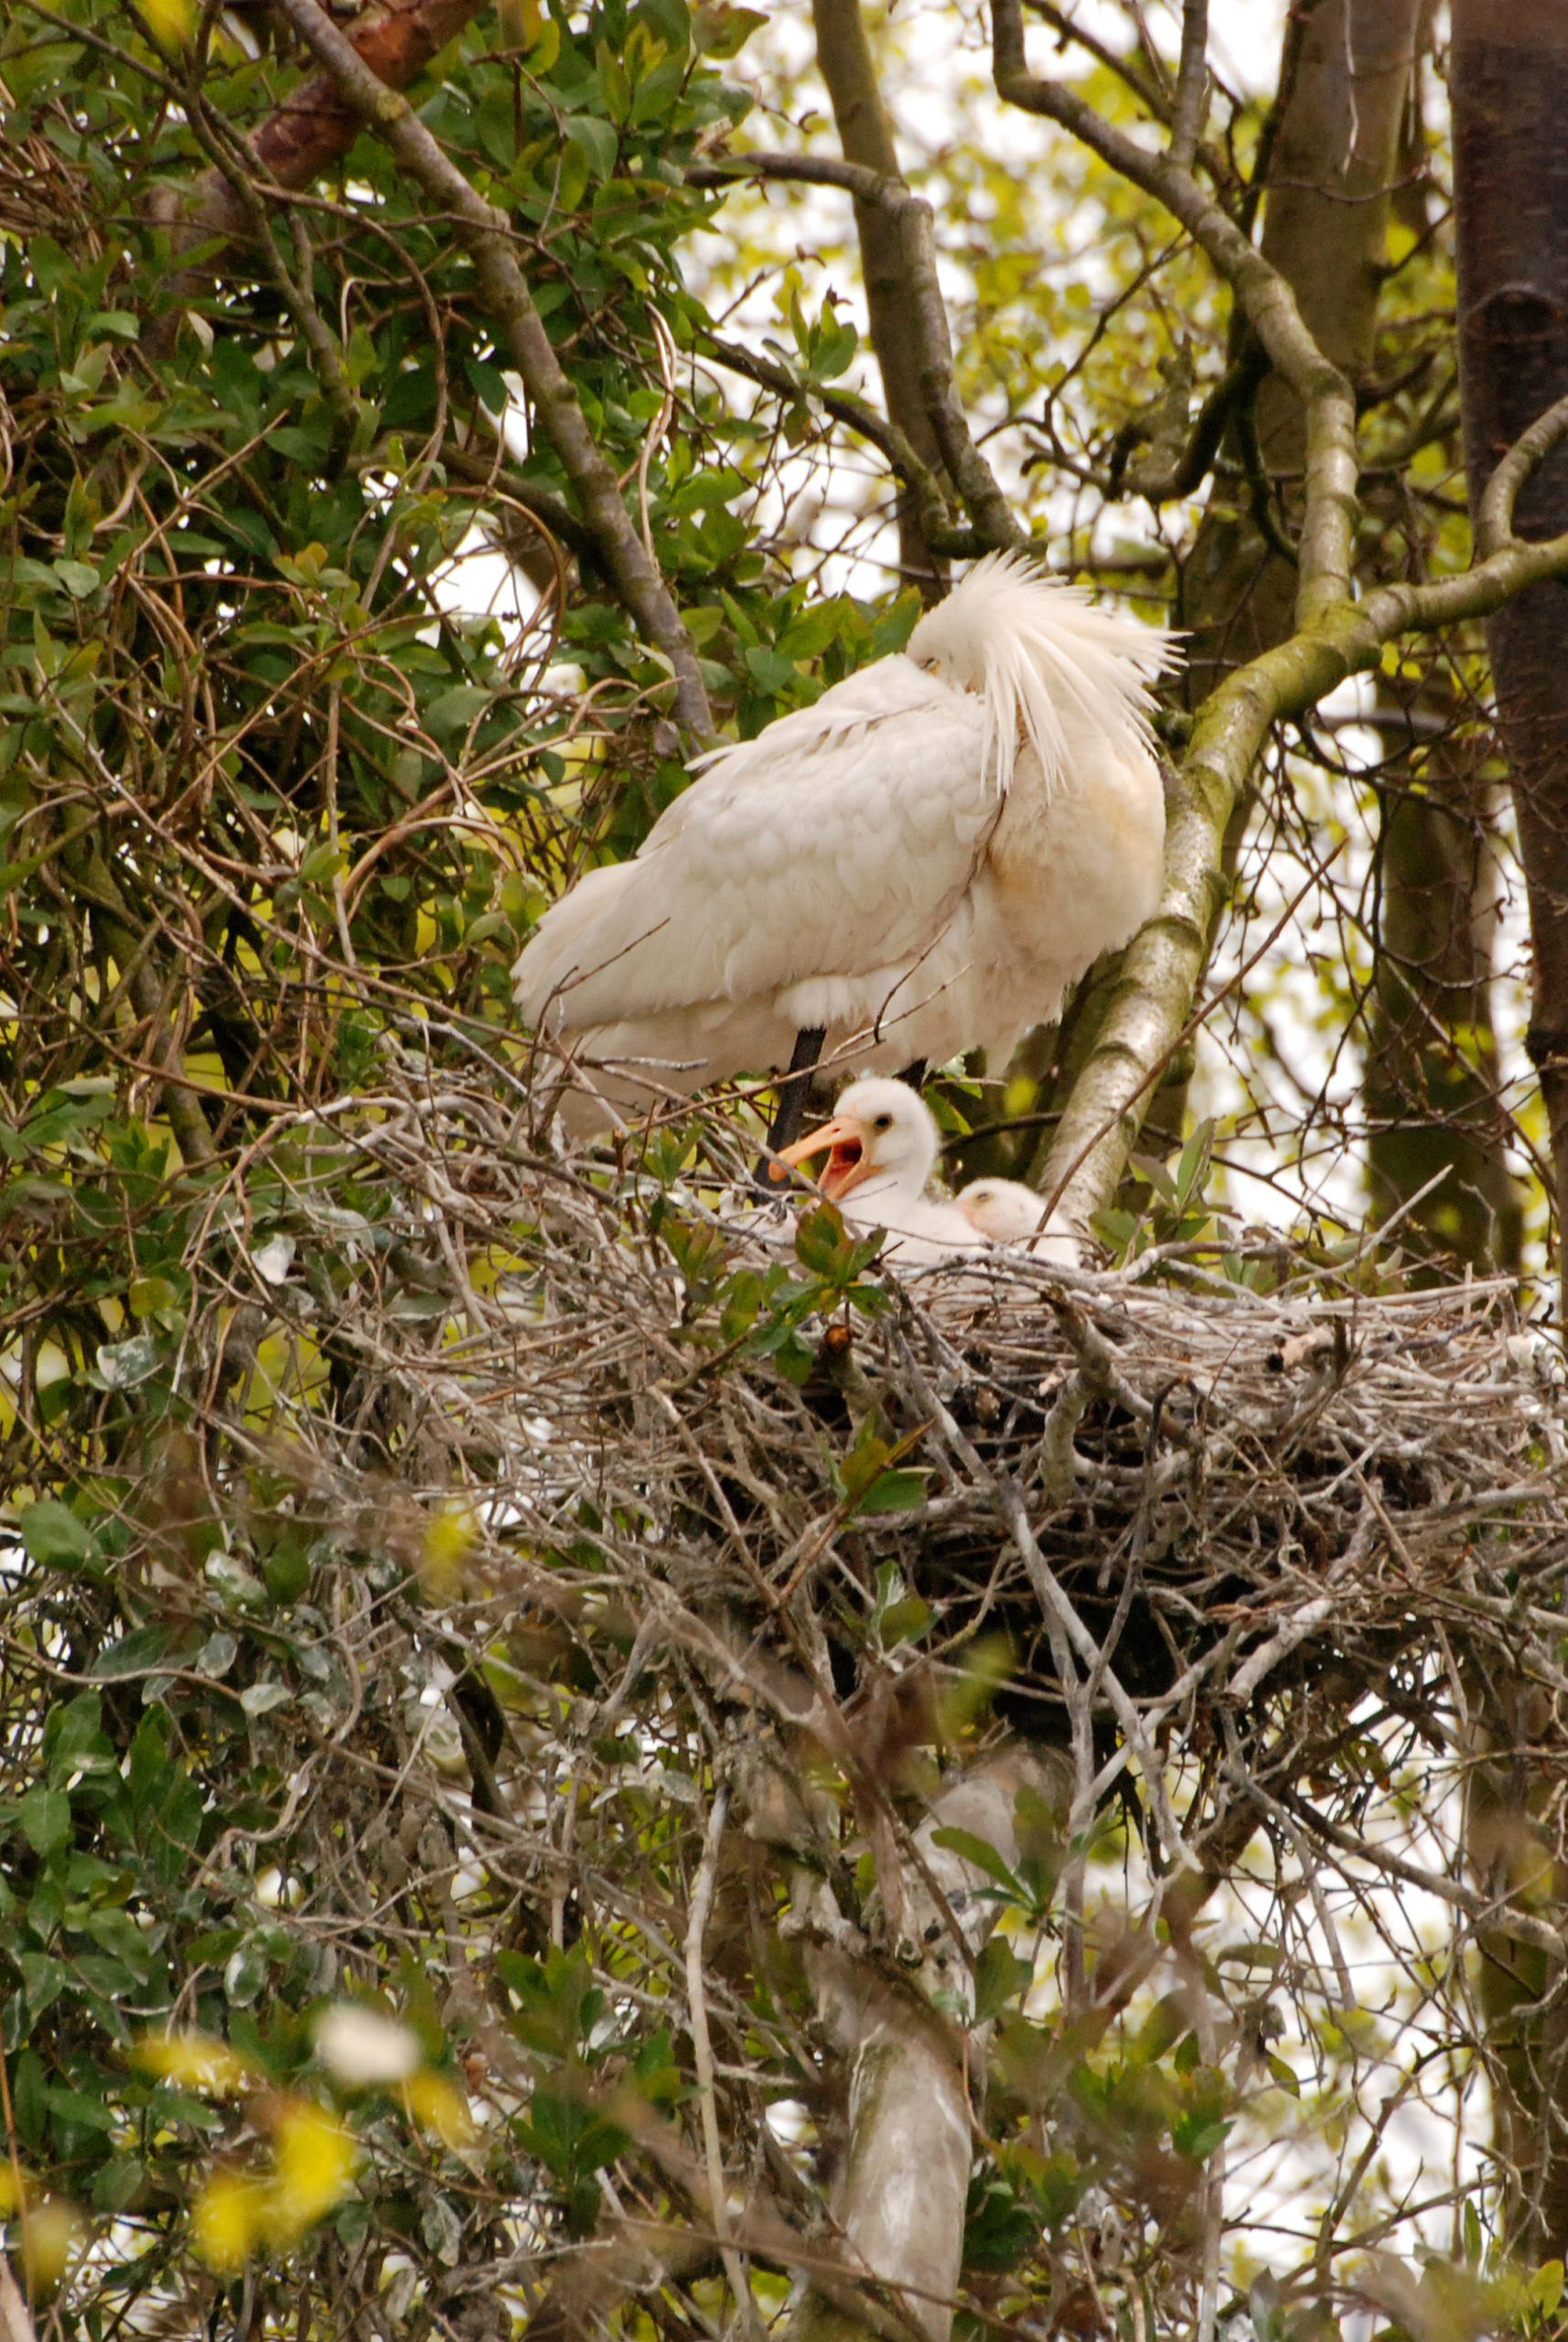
{"type": "Point", "coordinates": [1010, 1213]}
{"type": "Point", "coordinates": [882, 1146]}
{"type": "Point", "coordinates": [921, 863]}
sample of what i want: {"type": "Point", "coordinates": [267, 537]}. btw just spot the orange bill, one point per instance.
{"type": "Point", "coordinates": [846, 1165]}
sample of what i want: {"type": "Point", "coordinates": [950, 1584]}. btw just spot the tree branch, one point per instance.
{"type": "Point", "coordinates": [1192, 84]}
{"type": "Point", "coordinates": [1187, 472]}
{"type": "Point", "coordinates": [485, 471]}
{"type": "Point", "coordinates": [15, 2320]}
{"type": "Point", "coordinates": [1494, 515]}
{"type": "Point", "coordinates": [1153, 993]}
{"type": "Point", "coordinates": [844, 62]}
{"type": "Point", "coordinates": [703, 2056]}
{"type": "Point", "coordinates": [311, 130]}
{"type": "Point", "coordinates": [1328, 524]}
{"type": "Point", "coordinates": [937, 527]}
{"type": "Point", "coordinates": [488, 237]}
{"type": "Point", "coordinates": [983, 498]}
{"type": "Point", "coordinates": [1068, 28]}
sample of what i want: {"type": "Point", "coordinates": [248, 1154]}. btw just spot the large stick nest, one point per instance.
{"type": "Point", "coordinates": [1243, 1463]}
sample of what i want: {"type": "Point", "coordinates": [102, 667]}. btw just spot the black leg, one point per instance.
{"type": "Point", "coordinates": [790, 1112]}
{"type": "Point", "coordinates": [915, 1074]}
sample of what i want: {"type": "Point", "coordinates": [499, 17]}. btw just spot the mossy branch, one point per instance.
{"type": "Point", "coordinates": [1152, 1001]}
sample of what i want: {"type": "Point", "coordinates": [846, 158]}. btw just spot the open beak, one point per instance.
{"type": "Point", "coordinates": [847, 1165]}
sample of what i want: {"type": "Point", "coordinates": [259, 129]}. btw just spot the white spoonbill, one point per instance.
{"type": "Point", "coordinates": [882, 1144]}
{"type": "Point", "coordinates": [921, 863]}
{"type": "Point", "coordinates": [1010, 1213]}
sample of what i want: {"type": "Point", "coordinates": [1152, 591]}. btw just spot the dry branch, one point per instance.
{"type": "Point", "coordinates": [486, 232]}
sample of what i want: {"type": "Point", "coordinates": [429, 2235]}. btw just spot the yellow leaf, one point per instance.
{"type": "Point", "coordinates": [518, 22]}
{"type": "Point", "coordinates": [195, 2061]}
{"type": "Point", "coordinates": [224, 2220]}
{"type": "Point", "coordinates": [441, 2106]}
{"type": "Point", "coordinates": [446, 1544]}
{"type": "Point", "coordinates": [313, 2170]}
{"type": "Point", "coordinates": [47, 2234]}
{"type": "Point", "coordinates": [171, 21]}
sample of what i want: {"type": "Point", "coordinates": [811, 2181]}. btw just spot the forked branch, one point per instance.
{"type": "Point", "coordinates": [983, 498]}
{"type": "Point", "coordinates": [1159, 982]}
{"type": "Point", "coordinates": [487, 235]}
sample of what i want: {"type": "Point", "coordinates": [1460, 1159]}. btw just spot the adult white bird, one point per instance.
{"type": "Point", "coordinates": [882, 1144]}
{"type": "Point", "coordinates": [921, 863]}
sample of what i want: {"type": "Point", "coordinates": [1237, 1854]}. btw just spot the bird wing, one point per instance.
{"type": "Point", "coordinates": [837, 842]}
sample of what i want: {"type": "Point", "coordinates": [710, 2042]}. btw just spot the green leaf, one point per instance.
{"type": "Point", "coordinates": [325, 861]}
{"type": "Point", "coordinates": [133, 1653]}
{"type": "Point", "coordinates": [78, 578]}
{"type": "Point", "coordinates": [245, 1974]}
{"type": "Point", "coordinates": [1474, 2247]}
{"type": "Point", "coordinates": [595, 141]}
{"type": "Point", "coordinates": [614, 87]}
{"type": "Point", "coordinates": [1285, 2075]}
{"type": "Point", "coordinates": [307, 447]}
{"type": "Point", "coordinates": [722, 32]}
{"type": "Point", "coordinates": [30, 2098]}
{"type": "Point", "coordinates": [45, 1816]}
{"type": "Point", "coordinates": [1195, 1157]}
{"type": "Point", "coordinates": [43, 1980]}
{"type": "Point", "coordinates": [865, 1459]}
{"type": "Point", "coordinates": [983, 1856]}
{"type": "Point", "coordinates": [895, 1492]}
{"type": "Point", "coordinates": [261, 1699]}
{"type": "Point", "coordinates": [807, 636]}
{"type": "Point", "coordinates": [999, 1976]}
{"type": "Point", "coordinates": [456, 709]}
{"type": "Point", "coordinates": [771, 672]}
{"type": "Point", "coordinates": [122, 1365]}
{"type": "Point", "coordinates": [145, 1296]}
{"type": "Point", "coordinates": [1546, 2288]}
{"type": "Point", "coordinates": [905, 1621]}
{"type": "Point", "coordinates": [822, 1246]}
{"type": "Point", "coordinates": [54, 1536]}
{"type": "Point", "coordinates": [89, 2113]}
{"type": "Point", "coordinates": [1198, 2135]}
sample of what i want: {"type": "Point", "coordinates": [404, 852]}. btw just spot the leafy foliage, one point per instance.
{"type": "Point", "coordinates": [359, 1730]}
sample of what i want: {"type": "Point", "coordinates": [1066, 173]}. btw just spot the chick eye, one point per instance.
{"type": "Point", "coordinates": [883, 1122]}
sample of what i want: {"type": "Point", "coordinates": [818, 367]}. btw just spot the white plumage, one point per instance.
{"type": "Point", "coordinates": [920, 864]}
{"type": "Point", "coordinates": [882, 1144]}
{"type": "Point", "coordinates": [1009, 1213]}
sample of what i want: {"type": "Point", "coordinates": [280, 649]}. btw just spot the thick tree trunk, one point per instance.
{"type": "Point", "coordinates": [865, 136]}
{"type": "Point", "coordinates": [1345, 78]}
{"type": "Point", "coordinates": [1513, 1825]}
{"type": "Point", "coordinates": [1509, 89]}
{"type": "Point", "coordinates": [1345, 75]}
{"type": "Point", "coordinates": [906, 2178]}
{"type": "Point", "coordinates": [904, 2183]}
{"type": "Point", "coordinates": [1508, 85]}
{"type": "Point", "coordinates": [1433, 1081]}
{"type": "Point", "coordinates": [1433, 1074]}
